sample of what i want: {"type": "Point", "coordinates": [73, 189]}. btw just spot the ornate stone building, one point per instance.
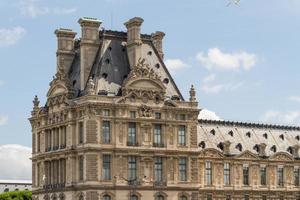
{"type": "Point", "coordinates": [116, 127]}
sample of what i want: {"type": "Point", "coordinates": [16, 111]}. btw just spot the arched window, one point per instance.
{"type": "Point", "coordinates": [106, 197]}
{"type": "Point", "coordinates": [81, 197]}
{"type": "Point", "coordinates": [183, 197]}
{"type": "Point", "coordinates": [133, 197]}
{"type": "Point", "coordinates": [160, 197]}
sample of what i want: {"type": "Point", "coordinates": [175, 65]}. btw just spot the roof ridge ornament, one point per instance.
{"type": "Point", "coordinates": [90, 86]}
{"type": "Point", "coordinates": [192, 94]}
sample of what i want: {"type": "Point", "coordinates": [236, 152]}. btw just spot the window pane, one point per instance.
{"type": "Point", "coordinates": [208, 173]}
{"type": "Point", "coordinates": [182, 169]}
{"type": "Point", "coordinates": [280, 176]}
{"type": "Point", "coordinates": [226, 173]}
{"type": "Point", "coordinates": [246, 175]}
{"type": "Point", "coordinates": [158, 169]}
{"type": "Point", "coordinates": [181, 135]}
{"type": "Point", "coordinates": [131, 167]}
{"type": "Point", "coordinates": [106, 132]}
{"type": "Point", "coordinates": [80, 132]}
{"type": "Point", "coordinates": [263, 176]}
{"type": "Point", "coordinates": [157, 134]}
{"type": "Point", "coordinates": [106, 167]}
{"type": "Point", "coordinates": [296, 176]}
{"type": "Point", "coordinates": [81, 168]}
{"type": "Point", "coordinates": [131, 134]}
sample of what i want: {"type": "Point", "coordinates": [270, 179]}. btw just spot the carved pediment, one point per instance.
{"type": "Point", "coordinates": [247, 155]}
{"type": "Point", "coordinates": [211, 153]}
{"type": "Point", "coordinates": [281, 156]}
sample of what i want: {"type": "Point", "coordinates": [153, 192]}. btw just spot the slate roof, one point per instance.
{"type": "Point", "coordinates": [248, 135]}
{"type": "Point", "coordinates": [111, 65]}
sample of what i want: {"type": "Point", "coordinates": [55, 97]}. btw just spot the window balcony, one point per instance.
{"type": "Point", "coordinates": [54, 186]}
{"type": "Point", "coordinates": [62, 146]}
{"type": "Point", "coordinates": [134, 182]}
{"type": "Point", "coordinates": [160, 145]}
{"type": "Point", "coordinates": [132, 144]}
{"type": "Point", "coordinates": [159, 183]}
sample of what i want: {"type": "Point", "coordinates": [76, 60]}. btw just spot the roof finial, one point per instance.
{"type": "Point", "coordinates": [35, 102]}
{"type": "Point", "coordinates": [192, 94]}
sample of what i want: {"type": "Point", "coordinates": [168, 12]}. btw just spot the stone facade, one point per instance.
{"type": "Point", "coordinates": [116, 127]}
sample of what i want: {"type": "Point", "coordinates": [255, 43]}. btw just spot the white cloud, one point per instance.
{"type": "Point", "coordinates": [3, 120]}
{"type": "Point", "coordinates": [33, 9]}
{"type": "Point", "coordinates": [210, 86]}
{"type": "Point", "coordinates": [216, 59]}
{"type": "Point", "coordinates": [295, 98]}
{"type": "Point", "coordinates": [11, 36]}
{"type": "Point", "coordinates": [175, 64]}
{"type": "Point", "coordinates": [207, 114]}
{"type": "Point", "coordinates": [15, 162]}
{"type": "Point", "coordinates": [64, 11]}
{"type": "Point", "coordinates": [290, 117]}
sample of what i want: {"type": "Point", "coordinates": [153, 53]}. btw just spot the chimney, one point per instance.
{"type": "Point", "coordinates": [295, 151]}
{"type": "Point", "coordinates": [134, 42]}
{"type": "Point", "coordinates": [157, 38]}
{"type": "Point", "coordinates": [65, 48]}
{"type": "Point", "coordinates": [226, 147]}
{"type": "Point", "coordinates": [89, 45]}
{"type": "Point", "coordinates": [262, 149]}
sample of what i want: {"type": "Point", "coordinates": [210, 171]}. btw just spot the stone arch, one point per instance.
{"type": "Point", "coordinates": [160, 196]}
{"type": "Point", "coordinates": [134, 195]}
{"type": "Point", "coordinates": [184, 196]}
{"type": "Point", "coordinates": [62, 196]}
{"type": "Point", "coordinates": [46, 197]}
{"type": "Point", "coordinates": [107, 193]}
{"type": "Point", "coordinates": [53, 196]}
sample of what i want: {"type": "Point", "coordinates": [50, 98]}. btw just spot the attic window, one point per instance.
{"type": "Point", "coordinates": [202, 144]}
{"type": "Point", "coordinates": [256, 147]}
{"type": "Point", "coordinates": [213, 132]}
{"type": "Point", "coordinates": [298, 137]}
{"type": "Point", "coordinates": [107, 61]}
{"type": "Point", "coordinates": [273, 148]}
{"type": "Point", "coordinates": [109, 48]}
{"type": "Point", "coordinates": [248, 134]}
{"type": "Point", "coordinates": [123, 49]}
{"type": "Point", "coordinates": [166, 81]}
{"type": "Point", "coordinates": [239, 147]}
{"type": "Point", "coordinates": [149, 53]}
{"type": "Point", "coordinates": [281, 136]}
{"type": "Point", "coordinates": [157, 65]}
{"type": "Point", "coordinates": [230, 133]}
{"type": "Point", "coordinates": [265, 135]}
{"type": "Point", "coordinates": [220, 146]}
{"type": "Point", "coordinates": [104, 75]}
{"type": "Point", "coordinates": [74, 82]}
{"type": "Point", "coordinates": [290, 150]}
{"type": "Point", "coordinates": [175, 98]}
{"type": "Point", "coordinates": [125, 76]}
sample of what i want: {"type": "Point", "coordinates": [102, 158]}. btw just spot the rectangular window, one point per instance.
{"type": "Point", "coordinates": [106, 132]}
{"type": "Point", "coordinates": [131, 168]}
{"type": "Point", "coordinates": [226, 174]}
{"type": "Point", "coordinates": [209, 197]}
{"type": "Point", "coordinates": [182, 169]}
{"type": "Point", "coordinates": [246, 197]}
{"type": "Point", "coordinates": [246, 175]}
{"type": "Point", "coordinates": [38, 142]}
{"type": "Point", "coordinates": [157, 115]}
{"type": "Point", "coordinates": [263, 176]}
{"type": "Point", "coordinates": [132, 114]}
{"type": "Point", "coordinates": [296, 176]}
{"type": "Point", "coordinates": [181, 117]}
{"type": "Point", "coordinates": [157, 135]}
{"type": "Point", "coordinates": [280, 176]}
{"type": "Point", "coordinates": [80, 168]}
{"type": "Point", "coordinates": [106, 167]}
{"type": "Point", "coordinates": [208, 173]}
{"type": "Point", "coordinates": [80, 132]}
{"type": "Point", "coordinates": [131, 134]}
{"type": "Point", "coordinates": [106, 113]}
{"type": "Point", "coordinates": [158, 169]}
{"type": "Point", "coordinates": [228, 197]}
{"type": "Point", "coordinates": [181, 135]}
{"type": "Point", "coordinates": [264, 197]}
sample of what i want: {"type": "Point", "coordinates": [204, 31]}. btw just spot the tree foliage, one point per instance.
{"type": "Point", "coordinates": [16, 195]}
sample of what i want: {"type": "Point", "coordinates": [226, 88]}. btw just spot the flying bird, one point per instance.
{"type": "Point", "coordinates": [236, 2]}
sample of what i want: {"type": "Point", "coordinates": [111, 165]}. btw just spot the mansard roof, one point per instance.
{"type": "Point", "coordinates": [250, 137]}
{"type": "Point", "coordinates": [111, 65]}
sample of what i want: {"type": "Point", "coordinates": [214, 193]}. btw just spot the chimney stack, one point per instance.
{"type": "Point", "coordinates": [89, 45]}
{"type": "Point", "coordinates": [134, 42]}
{"type": "Point", "coordinates": [157, 38]}
{"type": "Point", "coordinates": [65, 48]}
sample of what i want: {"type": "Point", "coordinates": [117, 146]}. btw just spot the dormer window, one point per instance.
{"type": "Point", "coordinates": [265, 135]}
{"type": "Point", "coordinates": [239, 147]}
{"type": "Point", "coordinates": [281, 136]}
{"type": "Point", "coordinates": [230, 133]}
{"type": "Point", "coordinates": [157, 65]}
{"type": "Point", "coordinates": [109, 48]}
{"type": "Point", "coordinates": [107, 61]}
{"type": "Point", "coordinates": [149, 53]}
{"type": "Point", "coordinates": [248, 134]}
{"type": "Point", "coordinates": [290, 150]}
{"type": "Point", "coordinates": [213, 132]}
{"type": "Point", "coordinates": [273, 148]}
{"type": "Point", "coordinates": [256, 147]}
{"type": "Point", "coordinates": [298, 137]}
{"type": "Point", "coordinates": [221, 146]}
{"type": "Point", "coordinates": [202, 144]}
{"type": "Point", "coordinates": [166, 81]}
{"type": "Point", "coordinates": [104, 75]}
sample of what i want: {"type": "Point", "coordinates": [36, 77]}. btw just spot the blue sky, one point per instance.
{"type": "Point", "coordinates": [243, 59]}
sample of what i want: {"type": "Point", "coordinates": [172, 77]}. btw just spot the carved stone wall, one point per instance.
{"type": "Point", "coordinates": [91, 167]}
{"type": "Point", "coordinates": [92, 195]}
{"type": "Point", "coordinates": [91, 131]}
